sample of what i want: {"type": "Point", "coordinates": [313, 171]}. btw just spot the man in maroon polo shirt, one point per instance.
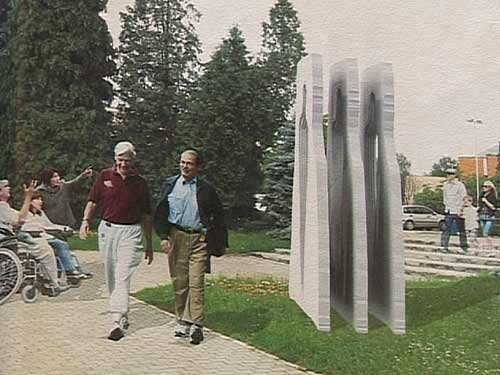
{"type": "Point", "coordinates": [125, 202]}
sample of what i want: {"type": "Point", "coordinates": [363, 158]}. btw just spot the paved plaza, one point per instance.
{"type": "Point", "coordinates": [68, 334]}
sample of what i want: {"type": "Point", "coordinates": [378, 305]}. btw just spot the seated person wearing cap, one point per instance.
{"type": "Point", "coordinates": [38, 247]}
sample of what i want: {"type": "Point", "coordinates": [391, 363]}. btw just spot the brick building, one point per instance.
{"type": "Point", "coordinates": [487, 165]}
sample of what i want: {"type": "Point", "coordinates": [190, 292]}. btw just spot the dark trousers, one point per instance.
{"type": "Point", "coordinates": [445, 236]}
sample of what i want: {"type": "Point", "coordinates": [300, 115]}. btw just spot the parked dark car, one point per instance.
{"type": "Point", "coordinates": [421, 217]}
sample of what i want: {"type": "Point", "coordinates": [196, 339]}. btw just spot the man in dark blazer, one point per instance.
{"type": "Point", "coordinates": [189, 220]}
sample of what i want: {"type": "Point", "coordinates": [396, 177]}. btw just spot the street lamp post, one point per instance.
{"type": "Point", "coordinates": [476, 122]}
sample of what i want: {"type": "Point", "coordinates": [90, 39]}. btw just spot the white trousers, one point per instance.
{"type": "Point", "coordinates": [120, 248]}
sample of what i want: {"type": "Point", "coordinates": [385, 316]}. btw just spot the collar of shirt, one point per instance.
{"type": "Point", "coordinates": [133, 171]}
{"type": "Point", "coordinates": [188, 182]}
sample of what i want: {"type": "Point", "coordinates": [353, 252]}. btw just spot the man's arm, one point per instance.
{"type": "Point", "coordinates": [87, 215]}
{"type": "Point", "coordinates": [148, 230]}
{"type": "Point", "coordinates": [28, 194]}
{"type": "Point", "coordinates": [86, 173]}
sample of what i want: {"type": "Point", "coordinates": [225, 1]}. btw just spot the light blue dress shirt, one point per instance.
{"type": "Point", "coordinates": [183, 206]}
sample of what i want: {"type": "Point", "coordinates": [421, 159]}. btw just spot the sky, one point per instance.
{"type": "Point", "coordinates": [445, 57]}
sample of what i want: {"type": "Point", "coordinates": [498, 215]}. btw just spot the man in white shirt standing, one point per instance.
{"type": "Point", "coordinates": [453, 196]}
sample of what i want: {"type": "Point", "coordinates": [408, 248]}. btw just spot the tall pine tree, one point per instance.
{"type": "Point", "coordinates": [158, 56]}
{"type": "Point", "coordinates": [59, 88]}
{"type": "Point", "coordinates": [283, 47]}
{"type": "Point", "coordinates": [278, 170]}
{"type": "Point", "coordinates": [225, 122]}
{"type": "Point", "coordinates": [7, 128]}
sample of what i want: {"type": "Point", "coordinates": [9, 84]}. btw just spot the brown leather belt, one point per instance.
{"type": "Point", "coordinates": [186, 230]}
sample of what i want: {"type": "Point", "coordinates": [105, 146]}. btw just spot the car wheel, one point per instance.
{"type": "Point", "coordinates": [409, 225]}
{"type": "Point", "coordinates": [442, 225]}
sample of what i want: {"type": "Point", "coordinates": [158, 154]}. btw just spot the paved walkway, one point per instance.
{"type": "Point", "coordinates": [67, 334]}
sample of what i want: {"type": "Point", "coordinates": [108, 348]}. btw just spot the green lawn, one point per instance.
{"type": "Point", "coordinates": [239, 241]}
{"type": "Point", "coordinates": [453, 327]}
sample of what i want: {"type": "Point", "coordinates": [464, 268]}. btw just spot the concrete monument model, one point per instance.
{"type": "Point", "coordinates": [347, 249]}
{"type": "Point", "coordinates": [386, 281]}
{"type": "Point", "coordinates": [309, 259]}
{"type": "Point", "coordinates": [346, 187]}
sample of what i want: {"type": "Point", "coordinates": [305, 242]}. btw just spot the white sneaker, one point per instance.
{"type": "Point", "coordinates": [182, 330]}
{"type": "Point", "coordinates": [124, 323]}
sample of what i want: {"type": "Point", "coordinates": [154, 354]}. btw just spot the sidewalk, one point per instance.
{"type": "Point", "coordinates": [67, 334]}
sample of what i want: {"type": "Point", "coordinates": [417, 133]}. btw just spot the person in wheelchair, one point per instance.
{"type": "Point", "coordinates": [37, 247]}
{"type": "Point", "coordinates": [37, 221]}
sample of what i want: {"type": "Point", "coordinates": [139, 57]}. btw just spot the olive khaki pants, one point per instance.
{"type": "Point", "coordinates": [187, 262]}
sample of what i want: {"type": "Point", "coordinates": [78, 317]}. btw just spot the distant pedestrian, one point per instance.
{"type": "Point", "coordinates": [471, 218]}
{"type": "Point", "coordinates": [190, 223]}
{"type": "Point", "coordinates": [487, 208]}
{"type": "Point", "coordinates": [124, 201]}
{"type": "Point", "coordinates": [56, 194]}
{"type": "Point", "coordinates": [454, 193]}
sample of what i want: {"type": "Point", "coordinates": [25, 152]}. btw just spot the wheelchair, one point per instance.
{"type": "Point", "coordinates": [21, 272]}
{"type": "Point", "coordinates": [11, 268]}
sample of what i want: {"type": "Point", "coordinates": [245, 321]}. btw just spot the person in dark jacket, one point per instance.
{"type": "Point", "coordinates": [487, 207]}
{"type": "Point", "coordinates": [189, 220]}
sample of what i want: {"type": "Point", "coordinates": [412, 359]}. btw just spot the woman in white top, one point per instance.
{"type": "Point", "coordinates": [37, 221]}
{"type": "Point", "coordinates": [38, 247]}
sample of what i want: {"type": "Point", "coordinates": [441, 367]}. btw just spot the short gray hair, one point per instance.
{"type": "Point", "coordinates": [194, 153]}
{"type": "Point", "coordinates": [124, 147]}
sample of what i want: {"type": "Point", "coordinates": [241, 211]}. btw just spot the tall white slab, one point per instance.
{"type": "Point", "coordinates": [348, 239]}
{"type": "Point", "coordinates": [383, 199]}
{"type": "Point", "coordinates": [309, 281]}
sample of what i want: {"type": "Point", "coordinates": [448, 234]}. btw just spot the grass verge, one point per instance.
{"type": "Point", "coordinates": [453, 327]}
{"type": "Point", "coordinates": [239, 241]}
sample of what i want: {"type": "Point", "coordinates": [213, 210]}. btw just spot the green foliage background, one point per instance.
{"type": "Point", "coordinates": [66, 96]}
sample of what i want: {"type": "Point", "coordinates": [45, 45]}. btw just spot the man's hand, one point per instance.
{"type": "Point", "coordinates": [84, 230]}
{"type": "Point", "coordinates": [149, 256]}
{"type": "Point", "coordinates": [165, 246]}
{"type": "Point", "coordinates": [30, 189]}
{"type": "Point", "coordinates": [87, 172]}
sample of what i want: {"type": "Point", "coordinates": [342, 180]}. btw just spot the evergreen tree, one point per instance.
{"type": "Point", "coordinates": [7, 133]}
{"type": "Point", "coordinates": [283, 47]}
{"type": "Point", "coordinates": [59, 86]}
{"type": "Point", "coordinates": [5, 6]}
{"type": "Point", "coordinates": [279, 177]}
{"type": "Point", "coordinates": [225, 122]}
{"type": "Point", "coordinates": [158, 57]}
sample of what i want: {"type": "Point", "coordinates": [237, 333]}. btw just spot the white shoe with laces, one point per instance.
{"type": "Point", "coordinates": [182, 330]}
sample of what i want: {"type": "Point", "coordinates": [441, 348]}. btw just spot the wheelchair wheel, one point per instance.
{"type": "Point", "coordinates": [30, 293]}
{"type": "Point", "coordinates": [11, 274]}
